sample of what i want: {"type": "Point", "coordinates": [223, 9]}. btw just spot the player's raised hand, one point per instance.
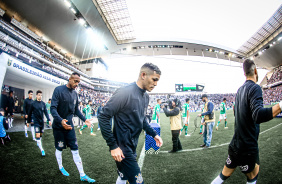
{"type": "Point", "coordinates": [88, 122]}
{"type": "Point", "coordinates": [159, 141]}
{"type": "Point", "coordinates": [117, 154]}
{"type": "Point", "coordinates": [65, 125]}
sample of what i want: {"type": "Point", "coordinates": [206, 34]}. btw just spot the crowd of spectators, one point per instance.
{"type": "Point", "coordinates": [35, 42]}
{"type": "Point", "coordinates": [35, 59]}
{"type": "Point", "coordinates": [276, 76]}
{"type": "Point", "coordinates": [86, 94]}
{"type": "Point", "coordinates": [272, 95]}
{"type": "Point", "coordinates": [196, 103]}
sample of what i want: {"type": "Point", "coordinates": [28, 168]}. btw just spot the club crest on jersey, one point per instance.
{"type": "Point", "coordinates": [9, 62]}
{"type": "Point", "coordinates": [139, 178]}
{"type": "Point", "coordinates": [228, 161]}
{"type": "Point", "coordinates": [244, 168]}
{"type": "Point", "coordinates": [120, 174]}
{"type": "Point", "coordinates": [61, 144]}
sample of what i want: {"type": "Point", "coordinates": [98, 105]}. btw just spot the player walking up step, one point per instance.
{"type": "Point", "coordinates": [63, 106]}
{"type": "Point", "coordinates": [37, 109]}
{"type": "Point", "coordinates": [27, 103]}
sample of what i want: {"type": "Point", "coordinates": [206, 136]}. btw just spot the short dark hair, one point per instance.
{"type": "Point", "coordinates": [1, 110]}
{"type": "Point", "coordinates": [30, 91]}
{"type": "Point", "coordinates": [11, 92]}
{"type": "Point", "coordinates": [38, 91]}
{"type": "Point", "coordinates": [75, 73]}
{"type": "Point", "coordinates": [249, 67]}
{"type": "Point", "coordinates": [152, 67]}
{"type": "Point", "coordinates": [50, 99]}
{"type": "Point", "coordinates": [224, 99]}
{"type": "Point", "coordinates": [204, 95]}
{"type": "Point", "coordinates": [187, 99]}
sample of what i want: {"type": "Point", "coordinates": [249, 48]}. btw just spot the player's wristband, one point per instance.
{"type": "Point", "coordinates": [280, 104]}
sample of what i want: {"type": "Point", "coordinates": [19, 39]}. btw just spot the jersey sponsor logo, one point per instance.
{"type": "Point", "coordinates": [228, 161]}
{"type": "Point", "coordinates": [244, 168]}
{"type": "Point", "coordinates": [9, 62]}
{"type": "Point", "coordinates": [139, 179]}
{"type": "Point", "coordinates": [61, 144]}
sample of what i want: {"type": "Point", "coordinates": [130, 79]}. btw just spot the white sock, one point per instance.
{"type": "Point", "coordinates": [58, 154]}
{"type": "Point", "coordinates": [32, 132]}
{"type": "Point", "coordinates": [12, 119]}
{"type": "Point", "coordinates": [39, 144]}
{"type": "Point", "coordinates": [78, 162]}
{"type": "Point", "coordinates": [25, 129]}
{"type": "Point", "coordinates": [9, 122]}
{"type": "Point", "coordinates": [217, 180]}
{"type": "Point", "coordinates": [254, 182]}
{"type": "Point", "coordinates": [120, 181]}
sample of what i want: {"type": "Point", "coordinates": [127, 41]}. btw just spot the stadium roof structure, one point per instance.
{"type": "Point", "coordinates": [220, 29]}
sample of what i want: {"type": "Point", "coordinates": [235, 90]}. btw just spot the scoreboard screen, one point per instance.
{"type": "Point", "coordinates": [189, 87]}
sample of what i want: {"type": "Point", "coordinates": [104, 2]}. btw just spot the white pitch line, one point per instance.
{"type": "Point", "coordinates": [141, 158]}
{"type": "Point", "coordinates": [197, 149]}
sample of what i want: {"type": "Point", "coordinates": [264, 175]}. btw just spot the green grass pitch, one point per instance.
{"type": "Point", "coordinates": [21, 160]}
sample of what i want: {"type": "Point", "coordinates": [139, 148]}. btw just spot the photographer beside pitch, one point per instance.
{"type": "Point", "coordinates": [249, 113]}
{"type": "Point", "coordinates": [175, 123]}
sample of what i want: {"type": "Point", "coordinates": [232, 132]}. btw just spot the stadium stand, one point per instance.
{"type": "Point", "coordinates": [276, 76]}
{"type": "Point", "coordinates": [34, 53]}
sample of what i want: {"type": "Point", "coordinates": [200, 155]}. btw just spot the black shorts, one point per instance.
{"type": "Point", "coordinates": [246, 162]}
{"type": "Point", "coordinates": [11, 113]}
{"type": "Point", "coordinates": [25, 122]}
{"type": "Point", "coordinates": [38, 129]}
{"type": "Point", "coordinates": [128, 169]}
{"type": "Point", "coordinates": [64, 139]}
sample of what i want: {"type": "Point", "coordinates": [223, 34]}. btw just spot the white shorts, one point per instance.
{"type": "Point", "coordinates": [222, 116]}
{"type": "Point", "coordinates": [184, 119]}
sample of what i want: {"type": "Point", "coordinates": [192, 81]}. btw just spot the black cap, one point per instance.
{"type": "Point", "coordinates": [204, 95]}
